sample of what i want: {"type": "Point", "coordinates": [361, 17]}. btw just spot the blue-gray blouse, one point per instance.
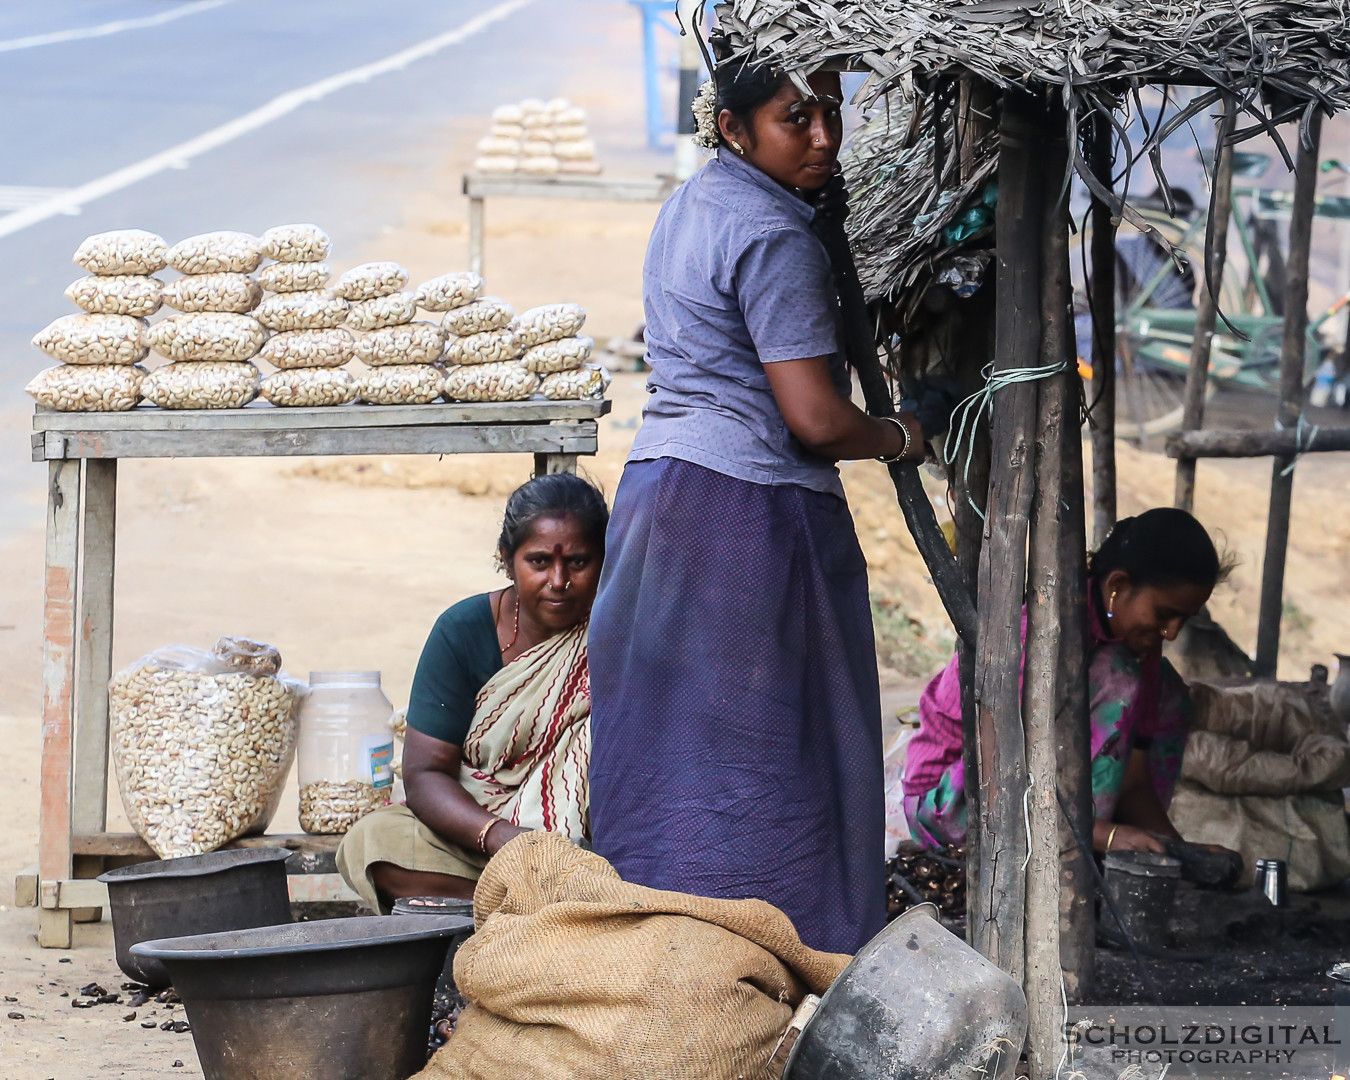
{"type": "Point", "coordinates": [734, 279]}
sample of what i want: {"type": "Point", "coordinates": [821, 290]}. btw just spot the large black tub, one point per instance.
{"type": "Point", "coordinates": [199, 894]}
{"type": "Point", "coordinates": [336, 999]}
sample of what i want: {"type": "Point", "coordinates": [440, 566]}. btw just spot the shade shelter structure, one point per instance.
{"type": "Point", "coordinates": [981, 114]}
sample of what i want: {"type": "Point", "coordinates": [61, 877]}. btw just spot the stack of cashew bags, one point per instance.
{"type": "Point", "coordinates": [539, 138]}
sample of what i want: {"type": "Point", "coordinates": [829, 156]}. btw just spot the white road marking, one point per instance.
{"type": "Point", "coordinates": [16, 198]}
{"type": "Point", "coordinates": [104, 29]}
{"type": "Point", "coordinates": [177, 157]}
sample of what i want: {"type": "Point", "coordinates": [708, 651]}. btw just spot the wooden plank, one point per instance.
{"type": "Point", "coordinates": [564, 437]}
{"type": "Point", "coordinates": [58, 687]}
{"type": "Point", "coordinates": [1247, 444]}
{"type": "Point", "coordinates": [60, 898]}
{"type": "Point", "coordinates": [1291, 401]}
{"type": "Point", "coordinates": [477, 234]}
{"type": "Point", "coordinates": [1001, 747]}
{"type": "Point", "coordinates": [1102, 304]}
{"type": "Point", "coordinates": [586, 188]}
{"type": "Point", "coordinates": [129, 844]}
{"type": "Point", "coordinates": [89, 784]}
{"type": "Point", "coordinates": [26, 886]}
{"type": "Point", "coordinates": [260, 416]}
{"type": "Point", "coordinates": [1216, 241]}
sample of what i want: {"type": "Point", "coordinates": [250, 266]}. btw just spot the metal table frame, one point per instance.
{"type": "Point", "coordinates": [81, 451]}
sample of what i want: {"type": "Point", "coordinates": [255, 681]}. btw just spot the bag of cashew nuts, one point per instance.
{"type": "Point", "coordinates": [202, 743]}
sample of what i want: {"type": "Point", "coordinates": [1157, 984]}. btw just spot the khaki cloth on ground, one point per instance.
{"type": "Point", "coordinates": [575, 974]}
{"type": "Point", "coordinates": [1262, 775]}
{"type": "Point", "coordinates": [393, 834]}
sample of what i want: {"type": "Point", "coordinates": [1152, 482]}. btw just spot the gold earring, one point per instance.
{"type": "Point", "coordinates": [737, 147]}
{"type": "Point", "coordinates": [1111, 603]}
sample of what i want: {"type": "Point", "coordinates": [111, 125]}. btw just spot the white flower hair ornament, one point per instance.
{"type": "Point", "coordinates": [704, 108]}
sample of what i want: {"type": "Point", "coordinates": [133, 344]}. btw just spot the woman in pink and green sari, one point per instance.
{"type": "Point", "coordinates": [1152, 573]}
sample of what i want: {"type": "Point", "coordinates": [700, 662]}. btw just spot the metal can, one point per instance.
{"type": "Point", "coordinates": [1272, 878]}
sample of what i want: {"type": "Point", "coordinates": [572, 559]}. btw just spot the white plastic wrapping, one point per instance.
{"type": "Point", "coordinates": [507, 381]}
{"type": "Point", "coordinates": [213, 292]}
{"type": "Point", "coordinates": [315, 310]}
{"type": "Point", "coordinates": [411, 343]}
{"type": "Point", "coordinates": [201, 748]}
{"type": "Point", "coordinates": [315, 386]}
{"type": "Point", "coordinates": [590, 381]}
{"type": "Point", "coordinates": [122, 251]}
{"type": "Point", "coordinates": [94, 339]}
{"type": "Point", "coordinates": [369, 280]}
{"type": "Point", "coordinates": [566, 354]}
{"type": "Point", "coordinates": [309, 349]}
{"type": "Point", "coordinates": [209, 384]}
{"type": "Point", "coordinates": [296, 243]}
{"type": "Point", "coordinates": [207, 335]}
{"type": "Point", "coordinates": [487, 313]}
{"type": "Point", "coordinates": [294, 276]}
{"type": "Point", "coordinates": [491, 347]}
{"type": "Point", "coordinates": [88, 387]}
{"type": "Point", "coordinates": [224, 252]}
{"type": "Point", "coordinates": [548, 323]}
{"type": "Point", "coordinates": [449, 291]}
{"type": "Point", "coordinates": [392, 310]}
{"type": "Point", "coordinates": [117, 294]}
{"type": "Point", "coordinates": [400, 384]}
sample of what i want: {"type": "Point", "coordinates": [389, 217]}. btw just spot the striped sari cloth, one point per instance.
{"type": "Point", "coordinates": [527, 754]}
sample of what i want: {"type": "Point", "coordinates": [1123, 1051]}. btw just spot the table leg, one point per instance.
{"type": "Point", "coordinates": [89, 784]}
{"type": "Point", "coordinates": [58, 689]}
{"type": "Point", "coordinates": [476, 233]}
{"type": "Point", "coordinates": [547, 464]}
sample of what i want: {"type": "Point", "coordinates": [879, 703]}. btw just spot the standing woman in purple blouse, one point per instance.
{"type": "Point", "coordinates": [735, 705]}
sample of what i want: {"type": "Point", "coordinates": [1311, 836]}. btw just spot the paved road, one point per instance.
{"type": "Point", "coordinates": [153, 75]}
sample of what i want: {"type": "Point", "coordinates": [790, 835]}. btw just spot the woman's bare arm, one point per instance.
{"type": "Point", "coordinates": [827, 423]}
{"type": "Point", "coordinates": [438, 799]}
{"type": "Point", "coordinates": [1138, 804]}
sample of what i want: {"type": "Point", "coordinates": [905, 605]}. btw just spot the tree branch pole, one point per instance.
{"type": "Point", "coordinates": [1001, 747]}
{"type": "Point", "coordinates": [1102, 303]}
{"type": "Point", "coordinates": [1197, 374]}
{"type": "Point", "coordinates": [860, 348]}
{"type": "Point", "coordinates": [1291, 400]}
{"type": "Point", "coordinates": [1041, 689]}
{"type": "Point", "coordinates": [1249, 444]}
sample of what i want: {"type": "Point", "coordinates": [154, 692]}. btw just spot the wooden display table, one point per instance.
{"type": "Point", "coordinates": [82, 450]}
{"type": "Point", "coordinates": [478, 186]}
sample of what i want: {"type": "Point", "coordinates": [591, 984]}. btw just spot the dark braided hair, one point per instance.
{"type": "Point", "coordinates": [742, 87]}
{"type": "Point", "coordinates": [1161, 547]}
{"type": "Point", "coordinates": [555, 495]}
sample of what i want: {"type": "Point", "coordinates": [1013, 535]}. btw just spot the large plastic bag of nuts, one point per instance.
{"type": "Point", "coordinates": [202, 742]}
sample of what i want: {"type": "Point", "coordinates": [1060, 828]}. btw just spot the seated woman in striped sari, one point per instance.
{"type": "Point", "coordinates": [498, 736]}
{"type": "Point", "coordinates": [1152, 573]}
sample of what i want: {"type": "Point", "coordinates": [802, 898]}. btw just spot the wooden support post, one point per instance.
{"type": "Point", "coordinates": [1001, 747]}
{"type": "Point", "coordinates": [89, 794]}
{"type": "Point", "coordinates": [1291, 400]}
{"type": "Point", "coordinates": [1102, 304]}
{"type": "Point", "coordinates": [477, 233]}
{"type": "Point", "coordinates": [547, 464]}
{"type": "Point", "coordinates": [58, 690]}
{"type": "Point", "coordinates": [1056, 421]}
{"type": "Point", "coordinates": [1216, 242]}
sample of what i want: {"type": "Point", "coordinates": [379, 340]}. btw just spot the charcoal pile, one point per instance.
{"type": "Point", "coordinates": [917, 875]}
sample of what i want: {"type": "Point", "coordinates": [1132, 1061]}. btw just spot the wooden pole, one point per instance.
{"type": "Point", "coordinates": [1248, 444]}
{"type": "Point", "coordinates": [1041, 692]}
{"type": "Point", "coordinates": [1291, 400]}
{"type": "Point", "coordinates": [1102, 303]}
{"type": "Point", "coordinates": [1216, 244]}
{"type": "Point", "coordinates": [1001, 747]}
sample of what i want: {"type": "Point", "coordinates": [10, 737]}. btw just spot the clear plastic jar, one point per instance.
{"type": "Point", "coordinates": [346, 752]}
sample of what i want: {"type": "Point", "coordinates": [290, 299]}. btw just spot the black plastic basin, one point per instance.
{"type": "Point", "coordinates": [337, 999]}
{"type": "Point", "coordinates": [199, 894]}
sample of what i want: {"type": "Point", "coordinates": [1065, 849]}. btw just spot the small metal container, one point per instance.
{"type": "Point", "coordinates": [1272, 878]}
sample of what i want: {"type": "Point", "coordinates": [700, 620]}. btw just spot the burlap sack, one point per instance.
{"type": "Point", "coordinates": [574, 974]}
{"type": "Point", "coordinates": [1262, 775]}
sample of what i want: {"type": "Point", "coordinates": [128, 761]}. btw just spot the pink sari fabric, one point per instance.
{"type": "Point", "coordinates": [1132, 700]}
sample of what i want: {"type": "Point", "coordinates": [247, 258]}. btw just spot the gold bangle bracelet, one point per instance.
{"type": "Point", "coordinates": [1109, 837]}
{"type": "Point", "coordinates": [483, 834]}
{"type": "Point", "coordinates": [909, 441]}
